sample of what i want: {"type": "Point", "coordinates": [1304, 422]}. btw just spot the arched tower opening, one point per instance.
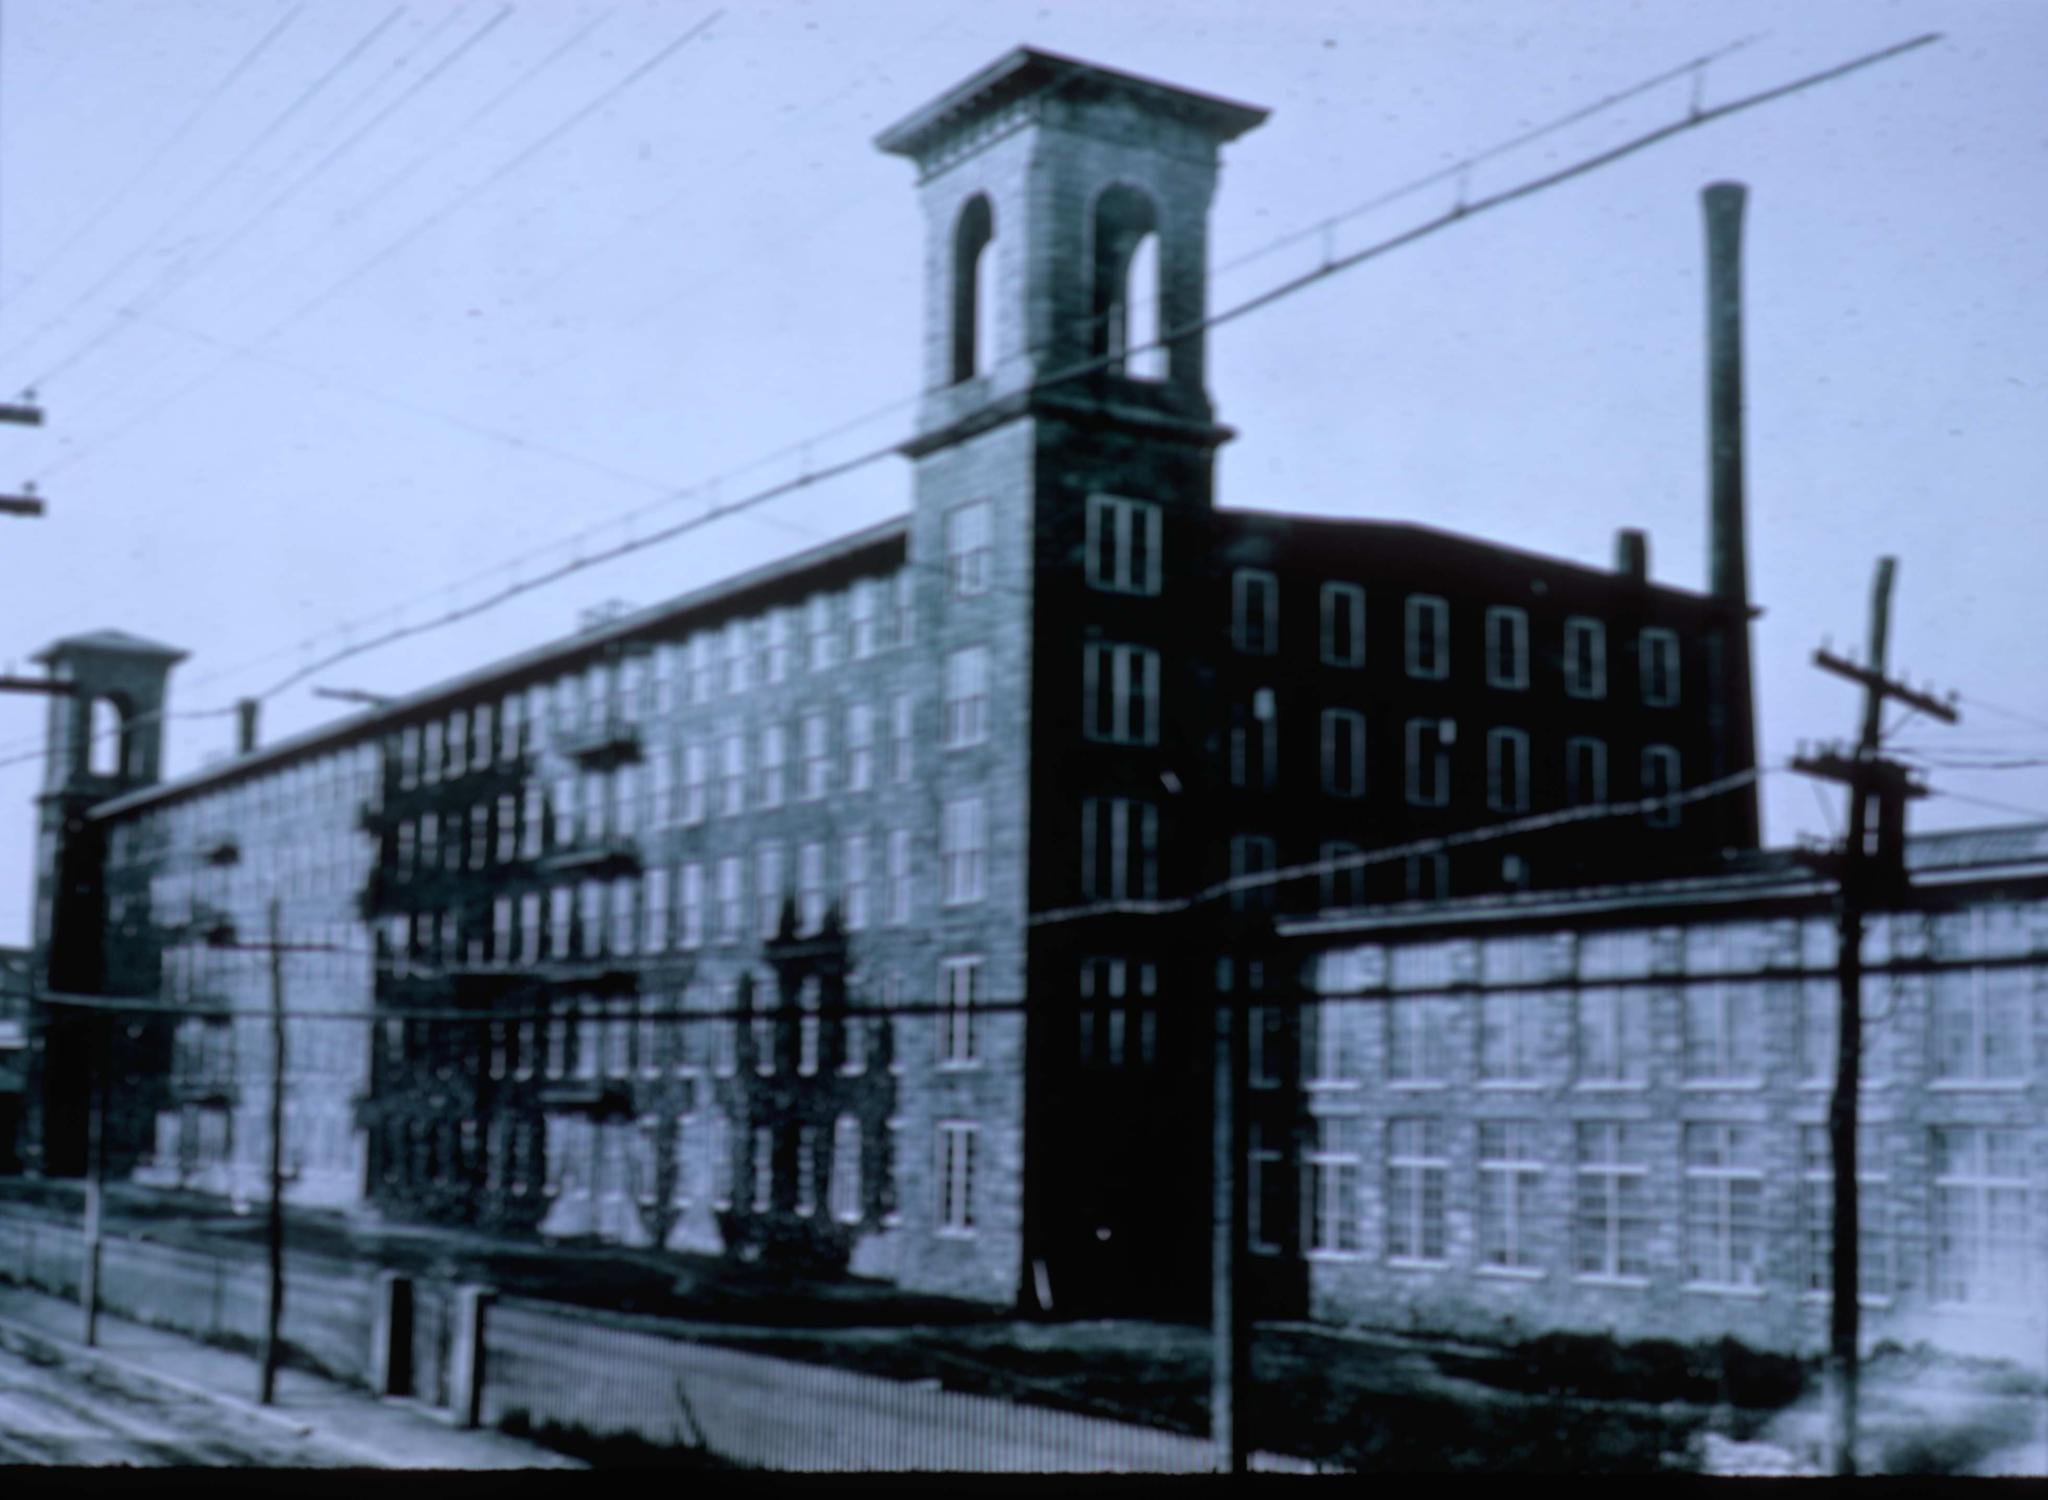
{"type": "Point", "coordinates": [973, 289]}
{"type": "Point", "coordinates": [106, 738]}
{"type": "Point", "coordinates": [1126, 304]}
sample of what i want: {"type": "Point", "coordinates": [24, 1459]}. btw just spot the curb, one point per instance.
{"type": "Point", "coordinates": [16, 1336]}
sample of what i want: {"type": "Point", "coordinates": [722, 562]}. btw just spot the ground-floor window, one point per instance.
{"type": "Point", "coordinates": [1418, 1168]}
{"type": "Point", "coordinates": [1510, 1185]}
{"type": "Point", "coordinates": [1724, 1194]}
{"type": "Point", "coordinates": [1817, 1209]}
{"type": "Point", "coordinates": [956, 1167]}
{"type": "Point", "coordinates": [1981, 1247]}
{"type": "Point", "coordinates": [1335, 1168]}
{"type": "Point", "coordinates": [1611, 1228]}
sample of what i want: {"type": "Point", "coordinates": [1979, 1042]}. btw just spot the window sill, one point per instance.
{"type": "Point", "coordinates": [1718, 1289]}
{"type": "Point", "coordinates": [971, 1065]}
{"type": "Point", "coordinates": [1416, 1263]}
{"type": "Point", "coordinates": [1330, 1085]}
{"type": "Point", "coordinates": [948, 1232]}
{"type": "Point", "coordinates": [1339, 1257]}
{"type": "Point", "coordinates": [1720, 1085]}
{"type": "Point", "coordinates": [1512, 1085]}
{"type": "Point", "coordinates": [1826, 1299]}
{"type": "Point", "coordinates": [1418, 1085]}
{"type": "Point", "coordinates": [1978, 1085]}
{"type": "Point", "coordinates": [1512, 1273]}
{"type": "Point", "coordinates": [1623, 1086]}
{"type": "Point", "coordinates": [1635, 1283]}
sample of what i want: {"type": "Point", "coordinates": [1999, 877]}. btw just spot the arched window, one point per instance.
{"type": "Point", "coordinates": [107, 738]}
{"type": "Point", "coordinates": [1126, 314]}
{"type": "Point", "coordinates": [973, 289]}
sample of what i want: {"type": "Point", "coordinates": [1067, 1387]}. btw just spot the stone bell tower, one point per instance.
{"type": "Point", "coordinates": [1066, 436]}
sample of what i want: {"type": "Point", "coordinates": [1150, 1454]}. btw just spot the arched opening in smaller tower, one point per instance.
{"type": "Point", "coordinates": [973, 289]}
{"type": "Point", "coordinates": [1126, 315]}
{"type": "Point", "coordinates": [106, 752]}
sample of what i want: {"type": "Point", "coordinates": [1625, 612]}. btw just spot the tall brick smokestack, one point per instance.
{"type": "Point", "coordinates": [1733, 713]}
{"type": "Point", "coordinates": [1727, 543]}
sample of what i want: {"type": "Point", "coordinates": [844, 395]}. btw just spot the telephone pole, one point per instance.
{"type": "Point", "coordinates": [1870, 869]}
{"type": "Point", "coordinates": [274, 1309]}
{"type": "Point", "coordinates": [22, 413]}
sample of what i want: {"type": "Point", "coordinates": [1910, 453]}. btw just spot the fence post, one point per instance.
{"type": "Point", "coordinates": [466, 1393]}
{"type": "Point", "coordinates": [391, 1335]}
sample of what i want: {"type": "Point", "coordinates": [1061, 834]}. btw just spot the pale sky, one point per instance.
{"type": "Point", "coordinates": [394, 305]}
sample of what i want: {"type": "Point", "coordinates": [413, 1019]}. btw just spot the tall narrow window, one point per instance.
{"type": "Point", "coordinates": [1123, 545]}
{"type": "Point", "coordinates": [900, 722]}
{"type": "Point", "coordinates": [817, 768]}
{"type": "Point", "coordinates": [811, 895]}
{"type": "Point", "coordinates": [1252, 857]}
{"type": "Point", "coordinates": [955, 1214]}
{"type": "Point", "coordinates": [853, 875]}
{"type": "Point", "coordinates": [1429, 637]}
{"type": "Point", "coordinates": [969, 541]}
{"type": "Point", "coordinates": [846, 1184]}
{"type": "Point", "coordinates": [1585, 658]}
{"type": "Point", "coordinates": [1119, 849]}
{"type": "Point", "coordinates": [774, 760]}
{"type": "Point", "coordinates": [1659, 652]}
{"type": "Point", "coordinates": [768, 887]}
{"type": "Point", "coordinates": [964, 714]}
{"type": "Point", "coordinates": [1507, 647]}
{"type": "Point", "coordinates": [1343, 875]}
{"type": "Point", "coordinates": [1255, 612]}
{"type": "Point", "coordinates": [1660, 782]}
{"type": "Point", "coordinates": [1343, 640]}
{"type": "Point", "coordinates": [960, 982]}
{"type": "Point", "coordinates": [1343, 752]}
{"type": "Point", "coordinates": [1336, 1162]}
{"type": "Point", "coordinates": [1507, 770]}
{"type": "Point", "coordinates": [1429, 761]}
{"type": "Point", "coordinates": [963, 850]}
{"type": "Point", "coordinates": [1585, 771]}
{"type": "Point", "coordinates": [900, 877]}
{"type": "Point", "coordinates": [1120, 694]}
{"type": "Point", "coordinates": [973, 232]}
{"type": "Point", "coordinates": [1255, 741]}
{"type": "Point", "coordinates": [860, 747]}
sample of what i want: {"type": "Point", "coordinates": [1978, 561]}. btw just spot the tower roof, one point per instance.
{"type": "Point", "coordinates": [110, 643]}
{"type": "Point", "coordinates": [1026, 72]}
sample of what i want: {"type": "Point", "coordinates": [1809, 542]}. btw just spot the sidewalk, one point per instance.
{"type": "Point", "coordinates": [370, 1432]}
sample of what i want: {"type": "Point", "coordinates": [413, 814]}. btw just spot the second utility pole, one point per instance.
{"type": "Point", "coordinates": [274, 1309]}
{"type": "Point", "coordinates": [1871, 869]}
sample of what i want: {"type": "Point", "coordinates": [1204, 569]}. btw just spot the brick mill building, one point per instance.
{"type": "Point", "coordinates": [1608, 1110]}
{"type": "Point", "coordinates": [909, 824]}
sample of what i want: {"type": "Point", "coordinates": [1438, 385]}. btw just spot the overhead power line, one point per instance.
{"type": "Point", "coordinates": [170, 143]}
{"type": "Point", "coordinates": [1462, 212]}
{"type": "Point", "coordinates": [172, 282]}
{"type": "Point", "coordinates": [403, 242]}
{"type": "Point", "coordinates": [256, 143]}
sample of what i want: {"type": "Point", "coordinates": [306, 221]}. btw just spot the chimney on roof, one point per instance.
{"type": "Point", "coordinates": [1727, 548]}
{"type": "Point", "coordinates": [1632, 554]}
{"type": "Point", "coordinates": [245, 718]}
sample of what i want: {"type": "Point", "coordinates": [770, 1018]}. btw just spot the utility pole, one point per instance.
{"type": "Point", "coordinates": [274, 1310]}
{"type": "Point", "coordinates": [1870, 869]}
{"type": "Point", "coordinates": [95, 1176]}
{"type": "Point", "coordinates": [22, 413]}
{"type": "Point", "coordinates": [1230, 1319]}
